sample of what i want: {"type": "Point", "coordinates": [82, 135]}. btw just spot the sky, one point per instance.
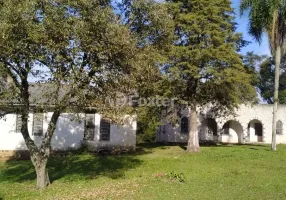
{"type": "Point", "coordinates": [242, 21]}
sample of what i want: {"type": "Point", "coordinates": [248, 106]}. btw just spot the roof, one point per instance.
{"type": "Point", "coordinates": [40, 94]}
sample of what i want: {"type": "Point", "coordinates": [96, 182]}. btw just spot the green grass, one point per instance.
{"type": "Point", "coordinates": [156, 172]}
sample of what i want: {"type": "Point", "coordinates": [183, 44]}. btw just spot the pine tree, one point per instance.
{"type": "Point", "coordinates": [204, 65]}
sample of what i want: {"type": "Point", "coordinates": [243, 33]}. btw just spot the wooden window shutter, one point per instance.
{"type": "Point", "coordinates": [89, 126]}
{"type": "Point", "coordinates": [18, 123]}
{"type": "Point", "coordinates": [38, 124]}
{"type": "Point", "coordinates": [104, 130]}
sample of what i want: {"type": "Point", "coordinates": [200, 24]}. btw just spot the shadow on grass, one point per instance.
{"type": "Point", "coordinates": [149, 146]}
{"type": "Point", "coordinates": [72, 167]}
{"type": "Point", "coordinates": [183, 146]}
{"type": "Point", "coordinates": [85, 166]}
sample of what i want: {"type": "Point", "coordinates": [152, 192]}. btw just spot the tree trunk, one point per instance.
{"type": "Point", "coordinates": [276, 100]}
{"type": "Point", "coordinates": [40, 155]}
{"type": "Point", "coordinates": [193, 142]}
{"type": "Point", "coordinates": [40, 164]}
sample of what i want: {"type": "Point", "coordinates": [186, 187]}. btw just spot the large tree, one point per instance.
{"type": "Point", "coordinates": [204, 66]}
{"type": "Point", "coordinates": [152, 25]}
{"type": "Point", "coordinates": [263, 70]}
{"type": "Point", "coordinates": [268, 16]}
{"type": "Point", "coordinates": [267, 81]}
{"type": "Point", "coordinates": [76, 53]}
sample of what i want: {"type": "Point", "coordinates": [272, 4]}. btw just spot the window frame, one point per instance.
{"type": "Point", "coordinates": [279, 127]}
{"type": "Point", "coordinates": [102, 123]}
{"type": "Point", "coordinates": [89, 137]}
{"type": "Point", "coordinates": [185, 127]}
{"type": "Point", "coordinates": [18, 121]}
{"type": "Point", "coordinates": [42, 124]}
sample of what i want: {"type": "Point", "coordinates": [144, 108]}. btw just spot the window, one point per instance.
{"type": "Point", "coordinates": [164, 129]}
{"type": "Point", "coordinates": [279, 128]}
{"type": "Point", "coordinates": [38, 124]}
{"type": "Point", "coordinates": [104, 130]}
{"type": "Point", "coordinates": [89, 126]}
{"type": "Point", "coordinates": [184, 125]}
{"type": "Point", "coordinates": [18, 123]}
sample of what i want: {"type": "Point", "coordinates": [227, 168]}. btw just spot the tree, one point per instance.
{"type": "Point", "coordinates": [148, 121]}
{"type": "Point", "coordinates": [251, 62]}
{"type": "Point", "coordinates": [263, 70]}
{"type": "Point", "coordinates": [152, 25]}
{"type": "Point", "coordinates": [268, 16]}
{"type": "Point", "coordinates": [204, 66]}
{"type": "Point", "coordinates": [266, 82]}
{"type": "Point", "coordinates": [76, 53]}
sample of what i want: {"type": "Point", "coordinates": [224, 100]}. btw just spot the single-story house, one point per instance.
{"type": "Point", "coordinates": [71, 132]}
{"type": "Point", "coordinates": [72, 129]}
{"type": "Point", "coordinates": [249, 124]}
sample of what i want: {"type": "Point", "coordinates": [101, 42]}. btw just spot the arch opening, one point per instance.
{"type": "Point", "coordinates": [232, 132]}
{"type": "Point", "coordinates": [255, 131]}
{"type": "Point", "coordinates": [209, 130]}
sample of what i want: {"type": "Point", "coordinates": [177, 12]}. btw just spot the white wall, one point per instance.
{"type": "Point", "coordinates": [169, 133]}
{"type": "Point", "coordinates": [235, 133]}
{"type": "Point", "coordinates": [69, 133]}
{"type": "Point", "coordinates": [243, 116]}
{"type": "Point", "coordinates": [9, 138]}
{"type": "Point", "coordinates": [121, 136]}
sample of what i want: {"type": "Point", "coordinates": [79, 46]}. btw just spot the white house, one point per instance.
{"type": "Point", "coordinates": [250, 124]}
{"type": "Point", "coordinates": [70, 132]}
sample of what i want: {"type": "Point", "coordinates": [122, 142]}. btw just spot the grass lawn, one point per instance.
{"type": "Point", "coordinates": [157, 172]}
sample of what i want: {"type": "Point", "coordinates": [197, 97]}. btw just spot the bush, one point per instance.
{"type": "Point", "coordinates": [177, 176]}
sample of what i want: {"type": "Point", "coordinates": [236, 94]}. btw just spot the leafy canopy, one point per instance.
{"type": "Point", "coordinates": [266, 16]}
{"type": "Point", "coordinates": [204, 66]}
{"type": "Point", "coordinates": [266, 83]}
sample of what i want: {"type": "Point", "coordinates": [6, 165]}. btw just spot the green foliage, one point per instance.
{"type": "Point", "coordinates": [263, 70]}
{"type": "Point", "coordinates": [153, 26]}
{"type": "Point", "coordinates": [177, 176]}
{"type": "Point", "coordinates": [266, 16]}
{"type": "Point", "coordinates": [266, 84]}
{"type": "Point", "coordinates": [197, 60]}
{"type": "Point", "coordinates": [204, 66]}
{"type": "Point", "coordinates": [69, 56]}
{"type": "Point", "coordinates": [148, 121]}
{"type": "Point", "coordinates": [151, 22]}
{"type": "Point", "coordinates": [66, 43]}
{"type": "Point", "coordinates": [251, 62]}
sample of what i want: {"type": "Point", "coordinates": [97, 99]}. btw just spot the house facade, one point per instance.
{"type": "Point", "coordinates": [249, 124]}
{"type": "Point", "coordinates": [71, 132]}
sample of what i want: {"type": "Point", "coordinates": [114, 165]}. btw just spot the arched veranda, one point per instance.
{"type": "Point", "coordinates": [232, 132]}
{"type": "Point", "coordinates": [209, 130]}
{"type": "Point", "coordinates": [255, 131]}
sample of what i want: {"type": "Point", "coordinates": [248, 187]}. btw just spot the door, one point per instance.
{"type": "Point", "coordinates": [258, 132]}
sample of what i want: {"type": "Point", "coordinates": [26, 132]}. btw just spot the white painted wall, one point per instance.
{"type": "Point", "coordinates": [9, 138]}
{"type": "Point", "coordinates": [69, 133]}
{"type": "Point", "coordinates": [243, 116]}
{"type": "Point", "coordinates": [235, 133]}
{"type": "Point", "coordinates": [121, 136]}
